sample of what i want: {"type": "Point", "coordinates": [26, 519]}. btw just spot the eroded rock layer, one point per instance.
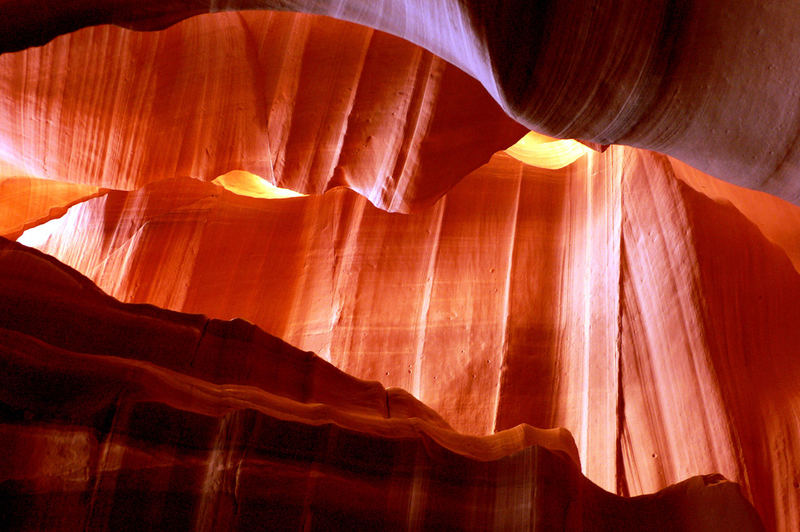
{"type": "Point", "coordinates": [644, 306]}
{"type": "Point", "coordinates": [27, 202]}
{"type": "Point", "coordinates": [128, 416]}
{"type": "Point", "coordinates": [714, 84]}
{"type": "Point", "coordinates": [307, 102]}
{"type": "Point", "coordinates": [591, 297]}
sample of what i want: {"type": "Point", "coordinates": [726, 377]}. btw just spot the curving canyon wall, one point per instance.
{"type": "Point", "coordinates": [641, 312]}
{"type": "Point", "coordinates": [711, 83]}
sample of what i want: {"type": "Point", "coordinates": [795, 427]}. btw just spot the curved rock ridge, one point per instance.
{"type": "Point", "coordinates": [27, 202]}
{"type": "Point", "coordinates": [591, 297]}
{"type": "Point", "coordinates": [233, 357]}
{"type": "Point", "coordinates": [129, 416]}
{"type": "Point", "coordinates": [711, 83]}
{"type": "Point", "coordinates": [304, 101]}
{"type": "Point", "coordinates": [627, 297]}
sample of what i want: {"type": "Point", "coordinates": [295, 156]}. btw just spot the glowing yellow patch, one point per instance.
{"type": "Point", "coordinates": [546, 152]}
{"type": "Point", "coordinates": [247, 184]}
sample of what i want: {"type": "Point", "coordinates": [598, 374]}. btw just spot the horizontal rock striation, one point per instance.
{"type": "Point", "coordinates": [711, 83]}
{"type": "Point", "coordinates": [109, 423]}
{"type": "Point", "coordinates": [306, 102]}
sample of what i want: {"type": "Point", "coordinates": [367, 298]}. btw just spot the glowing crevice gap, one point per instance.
{"type": "Point", "coordinates": [546, 152]}
{"type": "Point", "coordinates": [26, 201]}
{"type": "Point", "coordinates": [247, 184]}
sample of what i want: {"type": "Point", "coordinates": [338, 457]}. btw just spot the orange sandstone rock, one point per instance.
{"type": "Point", "coordinates": [110, 424]}
{"type": "Point", "coordinates": [27, 202]}
{"type": "Point", "coordinates": [306, 102]}
{"type": "Point", "coordinates": [711, 83]}
{"type": "Point", "coordinates": [588, 297]}
{"type": "Point", "coordinates": [637, 302]}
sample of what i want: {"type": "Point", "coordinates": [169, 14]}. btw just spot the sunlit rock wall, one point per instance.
{"type": "Point", "coordinates": [123, 416]}
{"type": "Point", "coordinates": [590, 297]}
{"type": "Point", "coordinates": [308, 103]}
{"type": "Point", "coordinates": [623, 295]}
{"type": "Point", "coordinates": [714, 84]}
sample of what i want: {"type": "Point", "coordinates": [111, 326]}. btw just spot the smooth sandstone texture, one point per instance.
{"type": "Point", "coordinates": [28, 202]}
{"type": "Point", "coordinates": [644, 306]}
{"type": "Point", "coordinates": [608, 297]}
{"type": "Point", "coordinates": [714, 84]}
{"type": "Point", "coordinates": [306, 102]}
{"type": "Point", "coordinates": [111, 423]}
{"type": "Point", "coordinates": [326, 264]}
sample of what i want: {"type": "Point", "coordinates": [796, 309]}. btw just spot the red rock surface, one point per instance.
{"type": "Point", "coordinates": [711, 83]}
{"type": "Point", "coordinates": [306, 102]}
{"type": "Point", "coordinates": [128, 417]}
{"type": "Point", "coordinates": [591, 297]}
{"type": "Point", "coordinates": [646, 307]}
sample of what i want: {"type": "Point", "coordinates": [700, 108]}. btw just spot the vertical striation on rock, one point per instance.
{"type": "Point", "coordinates": [711, 83]}
{"type": "Point", "coordinates": [578, 297]}
{"type": "Point", "coordinates": [645, 307]}
{"type": "Point", "coordinates": [111, 424]}
{"type": "Point", "coordinates": [306, 102]}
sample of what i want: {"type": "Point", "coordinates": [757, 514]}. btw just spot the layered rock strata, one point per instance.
{"type": "Point", "coordinates": [711, 83]}
{"type": "Point", "coordinates": [128, 417]}
{"type": "Point", "coordinates": [607, 297]}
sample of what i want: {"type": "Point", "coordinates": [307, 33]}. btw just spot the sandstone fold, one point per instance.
{"type": "Point", "coordinates": [110, 423]}
{"type": "Point", "coordinates": [590, 297]}
{"type": "Point", "coordinates": [306, 102]}
{"type": "Point", "coordinates": [713, 84]}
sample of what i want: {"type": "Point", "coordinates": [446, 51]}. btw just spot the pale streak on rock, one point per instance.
{"type": "Point", "coordinates": [146, 421]}
{"type": "Point", "coordinates": [306, 102]}
{"type": "Point", "coordinates": [612, 325]}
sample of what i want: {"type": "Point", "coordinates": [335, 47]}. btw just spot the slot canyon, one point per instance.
{"type": "Point", "coordinates": [399, 265]}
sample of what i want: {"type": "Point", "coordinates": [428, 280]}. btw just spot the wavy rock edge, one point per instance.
{"type": "Point", "coordinates": [123, 416]}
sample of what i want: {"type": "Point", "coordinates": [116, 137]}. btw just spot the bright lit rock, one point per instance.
{"type": "Point", "coordinates": [307, 103]}
{"type": "Point", "coordinates": [645, 307]}
{"type": "Point", "coordinates": [120, 416]}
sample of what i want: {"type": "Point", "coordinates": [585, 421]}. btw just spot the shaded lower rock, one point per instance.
{"type": "Point", "coordinates": [116, 416]}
